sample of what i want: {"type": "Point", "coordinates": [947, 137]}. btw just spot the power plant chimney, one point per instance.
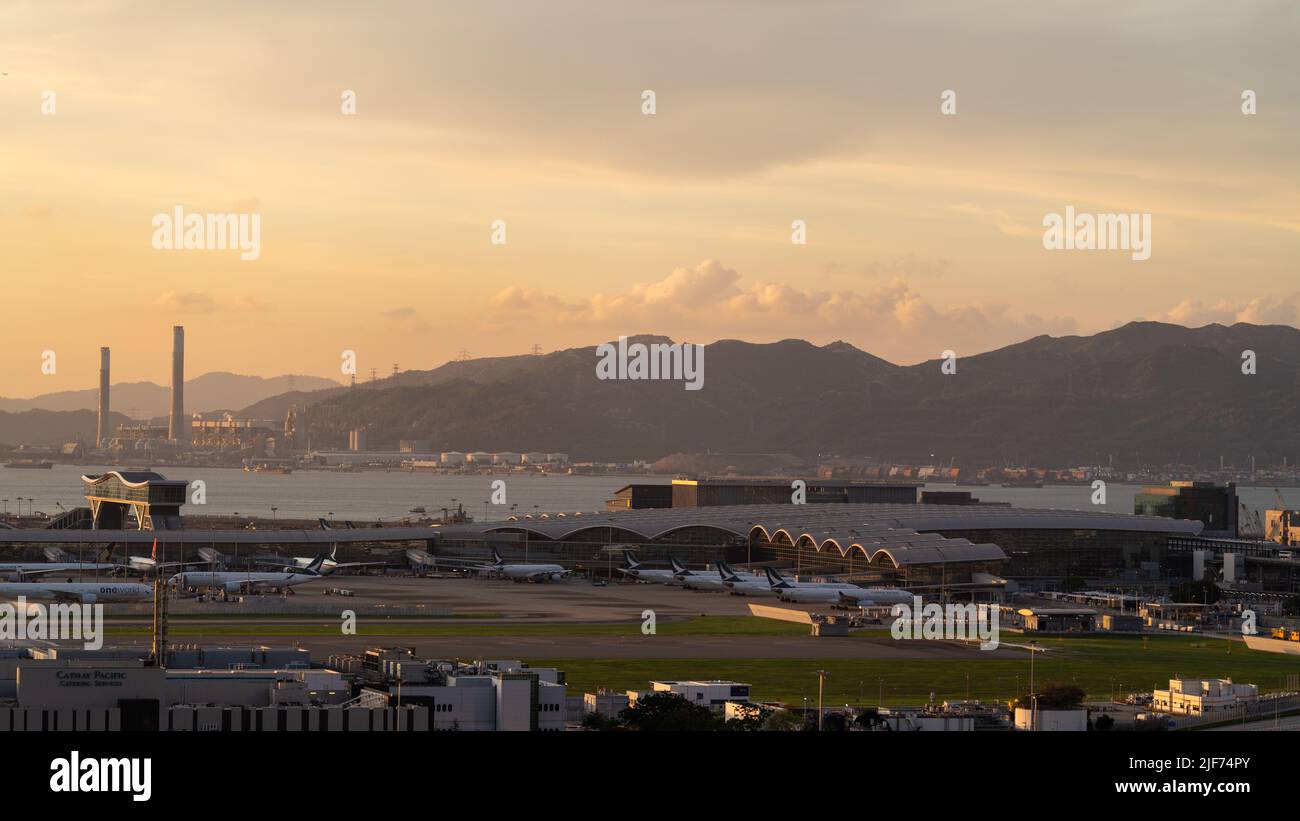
{"type": "Point", "coordinates": [177, 429]}
{"type": "Point", "coordinates": [101, 423]}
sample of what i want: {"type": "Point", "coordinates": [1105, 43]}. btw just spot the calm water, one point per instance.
{"type": "Point", "coordinates": [375, 496]}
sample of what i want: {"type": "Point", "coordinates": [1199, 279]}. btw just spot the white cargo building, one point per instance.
{"type": "Point", "coordinates": [1202, 696]}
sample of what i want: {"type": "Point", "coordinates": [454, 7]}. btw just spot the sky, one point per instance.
{"type": "Point", "coordinates": [924, 230]}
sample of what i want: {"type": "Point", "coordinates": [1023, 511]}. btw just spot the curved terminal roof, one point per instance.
{"type": "Point", "coordinates": [130, 478]}
{"type": "Point", "coordinates": [905, 533]}
{"type": "Point", "coordinates": [203, 537]}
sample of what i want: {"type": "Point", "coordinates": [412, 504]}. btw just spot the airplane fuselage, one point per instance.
{"type": "Point", "coordinates": [532, 571]}
{"type": "Point", "coordinates": [232, 580]}
{"type": "Point", "coordinates": [84, 592]}
{"type": "Point", "coordinates": [22, 570]}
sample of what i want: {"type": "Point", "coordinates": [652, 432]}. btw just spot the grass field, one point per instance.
{"type": "Point", "coordinates": [700, 626]}
{"type": "Point", "coordinates": [1098, 665]}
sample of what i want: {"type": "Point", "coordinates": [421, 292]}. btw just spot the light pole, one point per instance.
{"type": "Point", "coordinates": [1033, 710]}
{"type": "Point", "coordinates": [273, 510]}
{"type": "Point", "coordinates": [821, 687]}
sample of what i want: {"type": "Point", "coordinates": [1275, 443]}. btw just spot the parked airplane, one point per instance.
{"type": "Point", "coordinates": [149, 564]}
{"type": "Point", "coordinates": [875, 597]}
{"type": "Point", "coordinates": [214, 557]}
{"type": "Point", "coordinates": [233, 581]}
{"type": "Point", "coordinates": [705, 581]}
{"type": "Point", "coordinates": [741, 585]}
{"type": "Point", "coordinates": [324, 525]}
{"type": "Point", "coordinates": [680, 572]}
{"type": "Point", "coordinates": [78, 592]}
{"type": "Point", "coordinates": [17, 571]}
{"type": "Point", "coordinates": [329, 565]}
{"type": "Point", "coordinates": [420, 559]}
{"type": "Point", "coordinates": [524, 572]}
{"type": "Point", "coordinates": [636, 571]}
{"type": "Point", "coordinates": [777, 581]}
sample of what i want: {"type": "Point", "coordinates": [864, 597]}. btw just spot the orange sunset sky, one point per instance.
{"type": "Point", "coordinates": [924, 230]}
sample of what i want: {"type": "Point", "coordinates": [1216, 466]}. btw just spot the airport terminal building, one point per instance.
{"type": "Point", "coordinates": [911, 545]}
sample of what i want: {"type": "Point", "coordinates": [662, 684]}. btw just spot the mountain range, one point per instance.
{"type": "Point", "coordinates": [1145, 392]}
{"type": "Point", "coordinates": [142, 400]}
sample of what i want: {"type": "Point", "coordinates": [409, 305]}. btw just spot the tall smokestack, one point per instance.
{"type": "Point", "coordinates": [101, 424]}
{"type": "Point", "coordinates": [177, 429]}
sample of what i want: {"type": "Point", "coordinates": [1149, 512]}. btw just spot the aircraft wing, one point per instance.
{"type": "Point", "coordinates": [44, 594]}
{"type": "Point", "coordinates": [47, 570]}
{"type": "Point", "coordinates": [466, 564]}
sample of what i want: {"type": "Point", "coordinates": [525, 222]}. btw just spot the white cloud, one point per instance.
{"type": "Point", "coordinates": [1257, 311]}
{"type": "Point", "coordinates": [889, 319]}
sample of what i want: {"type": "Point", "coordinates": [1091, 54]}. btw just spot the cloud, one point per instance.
{"type": "Point", "coordinates": [201, 302]}
{"type": "Point", "coordinates": [996, 217]}
{"type": "Point", "coordinates": [187, 302]}
{"type": "Point", "coordinates": [1257, 311]}
{"type": "Point", "coordinates": [407, 317]}
{"type": "Point", "coordinates": [890, 319]}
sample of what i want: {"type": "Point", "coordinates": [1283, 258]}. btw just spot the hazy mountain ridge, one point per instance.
{"type": "Point", "coordinates": [212, 391]}
{"type": "Point", "coordinates": [52, 428]}
{"type": "Point", "coordinates": [1161, 391]}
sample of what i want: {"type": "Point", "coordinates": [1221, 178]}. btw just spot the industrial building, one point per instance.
{"type": "Point", "coordinates": [273, 689]}
{"type": "Point", "coordinates": [1215, 506]}
{"type": "Point", "coordinates": [710, 492]}
{"type": "Point", "coordinates": [714, 694]}
{"type": "Point", "coordinates": [487, 695]}
{"type": "Point", "coordinates": [1282, 526]}
{"type": "Point", "coordinates": [1202, 697]}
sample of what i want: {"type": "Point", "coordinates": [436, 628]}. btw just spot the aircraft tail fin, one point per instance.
{"type": "Point", "coordinates": [496, 557]}
{"type": "Point", "coordinates": [774, 578]}
{"type": "Point", "coordinates": [728, 572]}
{"type": "Point", "coordinates": [316, 563]}
{"type": "Point", "coordinates": [632, 561]}
{"type": "Point", "coordinates": [324, 525]}
{"type": "Point", "coordinates": [678, 567]}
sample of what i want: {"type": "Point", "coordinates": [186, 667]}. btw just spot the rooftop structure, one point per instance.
{"type": "Point", "coordinates": [154, 500]}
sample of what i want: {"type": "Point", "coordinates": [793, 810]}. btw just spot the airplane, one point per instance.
{"type": "Point", "coordinates": [851, 597]}
{"type": "Point", "coordinates": [875, 597]}
{"type": "Point", "coordinates": [524, 572]}
{"type": "Point", "coordinates": [680, 572]}
{"type": "Point", "coordinates": [214, 557]}
{"type": "Point", "coordinates": [740, 585]}
{"type": "Point", "coordinates": [777, 581]}
{"type": "Point", "coordinates": [636, 571]}
{"type": "Point", "coordinates": [329, 565]}
{"type": "Point", "coordinates": [78, 592]}
{"type": "Point", "coordinates": [702, 581]}
{"type": "Point", "coordinates": [150, 564]}
{"type": "Point", "coordinates": [17, 571]}
{"type": "Point", "coordinates": [233, 581]}
{"type": "Point", "coordinates": [420, 559]}
{"type": "Point", "coordinates": [324, 525]}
